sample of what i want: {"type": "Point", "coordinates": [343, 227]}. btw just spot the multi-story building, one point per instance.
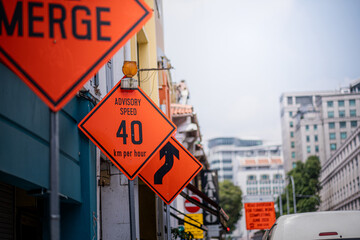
{"type": "Point", "coordinates": [254, 166]}
{"type": "Point", "coordinates": [316, 123]}
{"type": "Point", "coordinates": [340, 176]}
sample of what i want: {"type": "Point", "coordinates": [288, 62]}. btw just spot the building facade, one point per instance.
{"type": "Point", "coordinates": [317, 123]}
{"type": "Point", "coordinates": [340, 176]}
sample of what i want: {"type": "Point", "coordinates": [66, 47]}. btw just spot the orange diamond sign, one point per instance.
{"type": "Point", "coordinates": [55, 46]}
{"type": "Point", "coordinates": [170, 170]}
{"type": "Point", "coordinates": [128, 128]}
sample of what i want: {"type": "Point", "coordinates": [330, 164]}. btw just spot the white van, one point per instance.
{"type": "Point", "coordinates": [343, 225]}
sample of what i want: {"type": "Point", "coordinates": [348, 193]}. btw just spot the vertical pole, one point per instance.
{"type": "Point", "coordinates": [168, 227]}
{"type": "Point", "coordinates": [132, 210]}
{"type": "Point", "coordinates": [294, 196]}
{"type": "Point", "coordinates": [54, 177]}
{"type": "Point", "coordinates": [287, 200]}
{"type": "Point", "coordinates": [280, 205]}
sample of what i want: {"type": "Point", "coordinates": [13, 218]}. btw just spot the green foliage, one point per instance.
{"type": "Point", "coordinates": [231, 202]}
{"type": "Point", "coordinates": [307, 186]}
{"type": "Point", "coordinates": [180, 233]}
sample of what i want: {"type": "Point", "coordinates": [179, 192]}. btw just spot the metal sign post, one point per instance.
{"type": "Point", "coordinates": [54, 177]}
{"type": "Point", "coordinates": [132, 210]}
{"type": "Point", "coordinates": [168, 228]}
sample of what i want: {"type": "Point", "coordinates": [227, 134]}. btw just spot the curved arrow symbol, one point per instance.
{"type": "Point", "coordinates": [169, 151]}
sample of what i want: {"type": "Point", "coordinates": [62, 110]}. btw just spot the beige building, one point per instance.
{"type": "Point", "coordinates": [340, 176]}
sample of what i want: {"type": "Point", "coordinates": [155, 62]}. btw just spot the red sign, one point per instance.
{"type": "Point", "coordinates": [170, 170]}
{"type": "Point", "coordinates": [128, 128]}
{"type": "Point", "coordinates": [190, 207]}
{"type": "Point", "coordinates": [55, 46]}
{"type": "Point", "coordinates": [259, 215]}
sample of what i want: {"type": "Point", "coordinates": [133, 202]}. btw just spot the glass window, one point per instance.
{"type": "Point", "coordinates": [292, 154]}
{"type": "Point", "coordinates": [251, 177]}
{"type": "Point", "coordinates": [342, 124]}
{"type": "Point", "coordinates": [307, 138]}
{"type": "Point", "coordinates": [352, 112]}
{"type": "Point", "coordinates": [307, 127]}
{"type": "Point", "coordinates": [293, 165]}
{"type": "Point", "coordinates": [343, 135]}
{"type": "Point", "coordinates": [291, 124]}
{"type": "Point", "coordinates": [330, 103]}
{"type": "Point", "coordinates": [342, 113]}
{"type": "Point", "coordinates": [333, 146]}
{"type": "Point", "coordinates": [316, 138]}
{"type": "Point", "coordinates": [264, 177]}
{"type": "Point", "coordinates": [292, 144]}
{"type": "Point", "coordinates": [291, 134]}
{"type": "Point", "coordinates": [352, 102]}
{"type": "Point", "coordinates": [315, 127]}
{"type": "Point", "coordinates": [332, 135]}
{"type": "Point", "coordinates": [290, 114]}
{"type": "Point", "coordinates": [353, 123]}
{"type": "Point", "coordinates": [289, 100]}
{"type": "Point", "coordinates": [331, 125]}
{"type": "Point", "coordinates": [308, 149]}
{"type": "Point", "coordinates": [316, 148]}
{"type": "Point", "coordinates": [341, 103]}
{"type": "Point", "coordinates": [330, 114]}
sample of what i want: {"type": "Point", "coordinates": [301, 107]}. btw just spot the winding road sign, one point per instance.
{"type": "Point", "coordinates": [129, 129]}
{"type": "Point", "coordinates": [170, 170]}
{"type": "Point", "coordinates": [55, 46]}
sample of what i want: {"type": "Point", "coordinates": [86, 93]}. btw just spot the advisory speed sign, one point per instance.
{"type": "Point", "coordinates": [128, 128]}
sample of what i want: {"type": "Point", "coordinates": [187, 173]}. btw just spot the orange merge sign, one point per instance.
{"type": "Point", "coordinates": [128, 128]}
{"type": "Point", "coordinates": [259, 215]}
{"type": "Point", "coordinates": [55, 46]}
{"type": "Point", "coordinates": [170, 170]}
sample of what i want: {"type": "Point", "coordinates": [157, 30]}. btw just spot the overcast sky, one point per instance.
{"type": "Point", "coordinates": [238, 56]}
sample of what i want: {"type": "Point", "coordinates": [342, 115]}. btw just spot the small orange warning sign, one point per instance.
{"type": "Point", "coordinates": [259, 215]}
{"type": "Point", "coordinates": [128, 128]}
{"type": "Point", "coordinates": [170, 170]}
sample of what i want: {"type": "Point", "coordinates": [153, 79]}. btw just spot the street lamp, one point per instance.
{"type": "Point", "coordinates": [294, 197]}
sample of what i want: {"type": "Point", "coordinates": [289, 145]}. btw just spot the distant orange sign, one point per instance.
{"type": "Point", "coordinates": [170, 170]}
{"type": "Point", "coordinates": [259, 215]}
{"type": "Point", "coordinates": [128, 128]}
{"type": "Point", "coordinates": [55, 46]}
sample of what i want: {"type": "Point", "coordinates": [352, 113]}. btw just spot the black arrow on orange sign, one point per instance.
{"type": "Point", "coordinates": [169, 151]}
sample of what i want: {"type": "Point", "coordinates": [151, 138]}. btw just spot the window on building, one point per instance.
{"type": "Point", "coordinates": [251, 177]}
{"type": "Point", "coordinates": [330, 114]}
{"type": "Point", "coordinates": [352, 112]}
{"type": "Point", "coordinates": [291, 134]}
{"type": "Point", "coordinates": [333, 146]}
{"type": "Point", "coordinates": [292, 144]}
{"type": "Point", "coordinates": [341, 113]}
{"type": "Point", "coordinates": [342, 124]}
{"type": "Point", "coordinates": [352, 102]}
{"type": "Point", "coordinates": [307, 127]}
{"type": "Point", "coordinates": [332, 136]}
{"type": "Point", "coordinates": [308, 149]}
{"type": "Point", "coordinates": [343, 135]}
{"type": "Point", "coordinates": [330, 103]}
{"type": "Point", "coordinates": [353, 124]}
{"type": "Point", "coordinates": [316, 138]}
{"type": "Point", "coordinates": [264, 177]}
{"type": "Point", "coordinates": [341, 103]}
{"type": "Point", "coordinates": [294, 165]}
{"type": "Point", "coordinates": [316, 148]}
{"type": "Point", "coordinates": [227, 161]}
{"type": "Point", "coordinates": [290, 114]}
{"type": "Point", "coordinates": [289, 100]}
{"type": "Point", "coordinates": [293, 155]}
{"type": "Point", "coordinates": [315, 127]}
{"type": "Point", "coordinates": [291, 124]}
{"type": "Point", "coordinates": [331, 125]}
{"type": "Point", "coordinates": [307, 138]}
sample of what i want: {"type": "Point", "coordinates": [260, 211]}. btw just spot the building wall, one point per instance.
{"type": "Point", "coordinates": [340, 177]}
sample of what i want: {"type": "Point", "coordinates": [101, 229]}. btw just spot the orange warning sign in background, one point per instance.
{"type": "Point", "coordinates": [259, 215]}
{"type": "Point", "coordinates": [55, 46]}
